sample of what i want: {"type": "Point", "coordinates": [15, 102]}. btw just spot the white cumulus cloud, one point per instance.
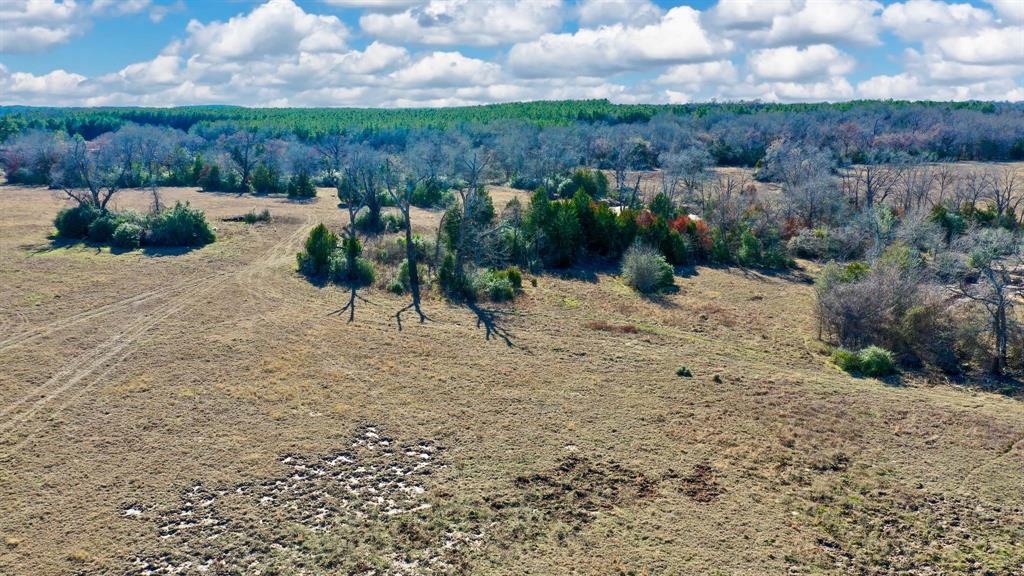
{"type": "Point", "coordinates": [277, 27]}
{"type": "Point", "coordinates": [469, 22]}
{"type": "Point", "coordinates": [925, 19]}
{"type": "Point", "coordinates": [36, 25]}
{"type": "Point", "coordinates": [635, 12]}
{"type": "Point", "coordinates": [677, 38]}
{"type": "Point", "coordinates": [792, 63]}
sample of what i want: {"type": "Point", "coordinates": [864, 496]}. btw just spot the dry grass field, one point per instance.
{"type": "Point", "coordinates": [170, 412]}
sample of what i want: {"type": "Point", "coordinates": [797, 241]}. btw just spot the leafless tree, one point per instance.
{"type": "Point", "coordinates": [331, 148]}
{"type": "Point", "coordinates": [400, 189]}
{"type": "Point", "coordinates": [970, 188]}
{"type": "Point", "coordinates": [993, 254]}
{"type": "Point", "coordinates": [913, 185]}
{"type": "Point", "coordinates": [944, 179]}
{"type": "Point", "coordinates": [876, 182]}
{"type": "Point", "coordinates": [1003, 193]}
{"type": "Point", "coordinates": [472, 166]}
{"type": "Point", "coordinates": [245, 148]}
{"type": "Point", "coordinates": [92, 173]}
{"type": "Point", "coordinates": [359, 180]}
{"type": "Point", "coordinates": [31, 157]}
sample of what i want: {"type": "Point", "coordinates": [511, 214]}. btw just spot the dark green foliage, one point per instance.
{"type": "Point", "coordinates": [181, 225]}
{"type": "Point", "coordinates": [127, 236]}
{"type": "Point", "coordinates": [662, 207]}
{"type": "Point", "coordinates": [266, 179]}
{"type": "Point", "coordinates": [73, 223]}
{"type": "Point", "coordinates": [430, 193]}
{"type": "Point", "coordinates": [452, 281]}
{"type": "Point", "coordinates": [743, 246]}
{"type": "Point", "coordinates": [684, 372]}
{"type": "Point", "coordinates": [515, 277]}
{"type": "Point", "coordinates": [952, 223]}
{"type": "Point", "coordinates": [320, 246]}
{"type": "Point", "coordinates": [210, 180]}
{"type": "Point", "coordinates": [677, 248]}
{"type": "Point", "coordinates": [392, 222]}
{"type": "Point", "coordinates": [593, 183]}
{"type": "Point", "coordinates": [301, 186]}
{"type": "Point", "coordinates": [102, 228]}
{"type": "Point", "coordinates": [404, 281]}
{"type": "Point", "coordinates": [498, 285]}
{"type": "Point", "coordinates": [556, 230]}
{"type": "Point", "coordinates": [873, 362]}
{"type": "Point", "coordinates": [361, 273]}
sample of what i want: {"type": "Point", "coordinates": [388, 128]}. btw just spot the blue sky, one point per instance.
{"type": "Point", "coordinates": [453, 52]}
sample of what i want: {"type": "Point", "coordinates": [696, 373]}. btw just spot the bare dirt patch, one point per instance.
{"type": "Point", "coordinates": [362, 500]}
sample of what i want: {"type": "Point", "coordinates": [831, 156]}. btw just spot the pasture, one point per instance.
{"type": "Point", "coordinates": [172, 411]}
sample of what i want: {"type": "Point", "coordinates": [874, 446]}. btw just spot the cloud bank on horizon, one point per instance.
{"type": "Point", "coordinates": [389, 53]}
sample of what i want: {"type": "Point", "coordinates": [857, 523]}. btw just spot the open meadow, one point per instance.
{"type": "Point", "coordinates": [188, 411]}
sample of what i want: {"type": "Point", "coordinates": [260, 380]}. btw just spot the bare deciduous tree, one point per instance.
{"type": "Point", "coordinates": [92, 173]}
{"type": "Point", "coordinates": [400, 190]}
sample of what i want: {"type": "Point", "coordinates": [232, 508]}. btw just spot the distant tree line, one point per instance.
{"type": "Point", "coordinates": [733, 133]}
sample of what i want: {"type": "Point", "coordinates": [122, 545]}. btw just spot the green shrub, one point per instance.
{"type": "Point", "coordinates": [872, 361]}
{"type": "Point", "coordinates": [392, 222]}
{"type": "Point", "coordinates": [181, 225]}
{"type": "Point", "coordinates": [499, 285]}
{"type": "Point", "coordinates": [749, 252]}
{"type": "Point", "coordinates": [210, 179]}
{"type": "Point", "coordinates": [677, 248]}
{"type": "Point", "coordinates": [876, 362]}
{"type": "Point", "coordinates": [645, 270]}
{"type": "Point", "coordinates": [556, 227]}
{"type": "Point", "coordinates": [316, 255]}
{"type": "Point", "coordinates": [301, 186]}
{"type": "Point", "coordinates": [847, 360]}
{"type": "Point", "coordinates": [495, 285]}
{"type": "Point", "coordinates": [684, 372]}
{"type": "Point", "coordinates": [102, 228]}
{"type": "Point", "coordinates": [74, 222]}
{"type": "Point", "coordinates": [452, 282]}
{"type": "Point", "coordinates": [403, 274]}
{"type": "Point", "coordinates": [361, 274]}
{"type": "Point", "coordinates": [515, 277]}
{"type": "Point", "coordinates": [127, 235]}
{"type": "Point", "coordinates": [430, 194]}
{"type": "Point", "coordinates": [266, 179]}
{"type": "Point", "coordinates": [253, 216]}
{"type": "Point", "coordinates": [662, 206]}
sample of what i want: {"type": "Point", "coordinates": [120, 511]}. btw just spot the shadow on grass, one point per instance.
{"type": "Point", "coordinates": [796, 275]}
{"type": "Point", "coordinates": [661, 298]}
{"type": "Point", "coordinates": [56, 243]}
{"type": "Point", "coordinates": [163, 251]}
{"type": "Point", "coordinates": [491, 319]}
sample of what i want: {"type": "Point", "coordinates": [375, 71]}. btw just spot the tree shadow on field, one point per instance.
{"type": "Point", "coordinates": [162, 251]}
{"type": "Point", "coordinates": [688, 271]}
{"type": "Point", "coordinates": [55, 243]}
{"type": "Point", "coordinates": [795, 275]}
{"type": "Point", "coordinates": [662, 298]}
{"type": "Point", "coordinates": [491, 319]}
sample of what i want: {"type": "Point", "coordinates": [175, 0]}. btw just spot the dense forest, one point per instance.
{"type": "Point", "coordinates": [734, 133]}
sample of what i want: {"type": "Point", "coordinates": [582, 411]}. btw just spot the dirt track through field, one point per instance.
{"type": "Point", "coordinates": [108, 354]}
